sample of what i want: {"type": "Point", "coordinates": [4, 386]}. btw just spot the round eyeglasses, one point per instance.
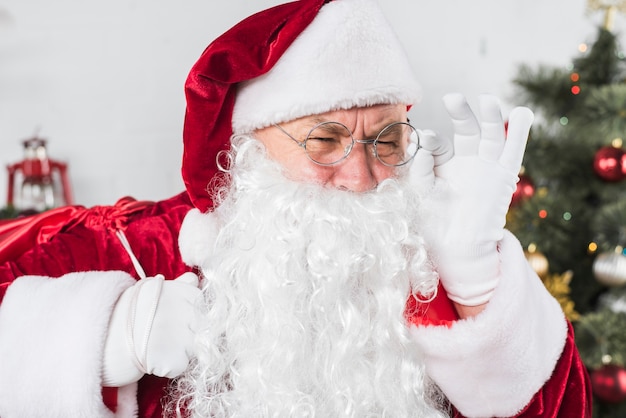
{"type": "Point", "coordinates": [329, 143]}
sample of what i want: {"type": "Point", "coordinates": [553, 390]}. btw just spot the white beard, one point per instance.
{"type": "Point", "coordinates": [305, 292]}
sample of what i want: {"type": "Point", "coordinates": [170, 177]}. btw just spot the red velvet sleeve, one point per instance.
{"type": "Point", "coordinates": [567, 394]}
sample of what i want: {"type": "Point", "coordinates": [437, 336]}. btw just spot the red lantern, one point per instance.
{"type": "Point", "coordinates": [609, 383]}
{"type": "Point", "coordinates": [609, 163]}
{"type": "Point", "coordinates": [36, 178]}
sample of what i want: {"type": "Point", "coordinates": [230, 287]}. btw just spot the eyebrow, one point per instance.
{"type": "Point", "coordinates": [332, 129]}
{"type": "Point", "coordinates": [315, 120]}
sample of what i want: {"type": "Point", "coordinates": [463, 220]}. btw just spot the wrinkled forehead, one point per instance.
{"type": "Point", "coordinates": [370, 117]}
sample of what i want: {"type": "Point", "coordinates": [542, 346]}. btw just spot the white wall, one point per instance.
{"type": "Point", "coordinates": [103, 81]}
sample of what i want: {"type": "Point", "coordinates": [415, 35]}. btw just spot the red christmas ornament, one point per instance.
{"type": "Point", "coordinates": [609, 383]}
{"type": "Point", "coordinates": [525, 189]}
{"type": "Point", "coordinates": [609, 163]}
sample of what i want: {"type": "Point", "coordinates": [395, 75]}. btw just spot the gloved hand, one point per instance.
{"type": "Point", "coordinates": [467, 219]}
{"type": "Point", "coordinates": [434, 151]}
{"type": "Point", "coordinates": [150, 330]}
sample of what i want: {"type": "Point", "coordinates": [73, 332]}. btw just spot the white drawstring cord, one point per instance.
{"type": "Point", "coordinates": [122, 237]}
{"type": "Point", "coordinates": [140, 362]}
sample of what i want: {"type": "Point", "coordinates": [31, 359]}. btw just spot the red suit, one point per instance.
{"type": "Point", "coordinates": [82, 240]}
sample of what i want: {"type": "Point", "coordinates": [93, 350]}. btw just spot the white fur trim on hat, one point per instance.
{"type": "Point", "coordinates": [493, 364]}
{"type": "Point", "coordinates": [349, 56]}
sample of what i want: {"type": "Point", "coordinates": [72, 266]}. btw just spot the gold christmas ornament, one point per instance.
{"type": "Point", "coordinates": [537, 261]}
{"type": "Point", "coordinates": [558, 286]}
{"type": "Point", "coordinates": [610, 269]}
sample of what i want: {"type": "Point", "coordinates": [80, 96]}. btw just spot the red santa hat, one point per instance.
{"type": "Point", "coordinates": [297, 59]}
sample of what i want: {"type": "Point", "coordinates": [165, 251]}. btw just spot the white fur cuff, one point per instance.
{"type": "Point", "coordinates": [493, 364]}
{"type": "Point", "coordinates": [52, 334]}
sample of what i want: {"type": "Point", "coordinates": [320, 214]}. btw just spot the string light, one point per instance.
{"type": "Point", "coordinates": [575, 77]}
{"type": "Point", "coordinates": [543, 214]}
{"type": "Point", "coordinates": [592, 247]}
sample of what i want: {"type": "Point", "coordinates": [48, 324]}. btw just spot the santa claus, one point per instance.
{"type": "Point", "coordinates": [327, 259]}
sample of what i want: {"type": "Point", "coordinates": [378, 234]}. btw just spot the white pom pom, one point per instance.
{"type": "Point", "coordinates": [197, 237]}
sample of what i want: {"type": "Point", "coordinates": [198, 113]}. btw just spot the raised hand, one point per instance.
{"type": "Point", "coordinates": [472, 194]}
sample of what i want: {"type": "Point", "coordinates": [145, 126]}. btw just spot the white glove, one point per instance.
{"type": "Point", "coordinates": [150, 330]}
{"type": "Point", "coordinates": [468, 219]}
{"type": "Point", "coordinates": [434, 151]}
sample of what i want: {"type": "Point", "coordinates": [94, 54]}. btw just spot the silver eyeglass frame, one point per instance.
{"type": "Point", "coordinates": [349, 148]}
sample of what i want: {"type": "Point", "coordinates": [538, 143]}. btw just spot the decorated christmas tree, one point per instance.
{"type": "Point", "coordinates": [569, 210]}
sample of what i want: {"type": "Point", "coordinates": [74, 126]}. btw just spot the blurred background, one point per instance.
{"type": "Point", "coordinates": [92, 107]}
{"type": "Point", "coordinates": [102, 82]}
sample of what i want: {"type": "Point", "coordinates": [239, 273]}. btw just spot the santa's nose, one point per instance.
{"type": "Point", "coordinates": [357, 172]}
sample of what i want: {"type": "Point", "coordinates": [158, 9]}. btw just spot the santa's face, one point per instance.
{"type": "Point", "coordinates": [305, 291]}
{"type": "Point", "coordinates": [360, 171]}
